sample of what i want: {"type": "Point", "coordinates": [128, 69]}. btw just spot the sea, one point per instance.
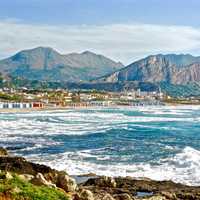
{"type": "Point", "coordinates": [157, 142]}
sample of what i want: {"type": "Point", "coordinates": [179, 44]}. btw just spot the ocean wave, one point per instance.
{"type": "Point", "coordinates": [81, 123]}
{"type": "Point", "coordinates": [182, 168]}
{"type": "Point", "coordinates": [169, 110]}
{"type": "Point", "coordinates": [44, 135]}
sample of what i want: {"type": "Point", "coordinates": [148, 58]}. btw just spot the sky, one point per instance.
{"type": "Point", "coordinates": [124, 30]}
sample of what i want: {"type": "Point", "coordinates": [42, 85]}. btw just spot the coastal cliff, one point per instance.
{"type": "Point", "coordinates": [171, 69]}
{"type": "Point", "coordinates": [23, 180]}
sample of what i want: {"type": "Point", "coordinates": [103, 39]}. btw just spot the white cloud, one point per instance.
{"type": "Point", "coordinates": [120, 42]}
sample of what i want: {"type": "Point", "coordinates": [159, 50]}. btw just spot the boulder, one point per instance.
{"type": "Point", "coordinates": [155, 198]}
{"type": "Point", "coordinates": [108, 197]}
{"type": "Point", "coordinates": [123, 197]}
{"type": "Point", "coordinates": [128, 188]}
{"type": "Point", "coordinates": [66, 183]}
{"type": "Point", "coordinates": [107, 182]}
{"type": "Point", "coordinates": [8, 175]}
{"type": "Point", "coordinates": [3, 152]}
{"type": "Point", "coordinates": [84, 194]}
{"type": "Point", "coordinates": [40, 180]}
{"type": "Point", "coordinates": [16, 190]}
{"type": "Point", "coordinates": [103, 181]}
{"type": "Point", "coordinates": [26, 177]}
{"type": "Point", "coordinates": [169, 195]}
{"type": "Point", "coordinates": [20, 165]}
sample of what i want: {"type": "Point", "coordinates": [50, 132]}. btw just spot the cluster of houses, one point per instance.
{"type": "Point", "coordinates": [123, 96]}
{"type": "Point", "coordinates": [64, 98]}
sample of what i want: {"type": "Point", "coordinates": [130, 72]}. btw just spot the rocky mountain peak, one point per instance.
{"type": "Point", "coordinates": [45, 63]}
{"type": "Point", "coordinates": [170, 68]}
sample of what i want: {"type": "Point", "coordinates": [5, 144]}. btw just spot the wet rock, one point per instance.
{"type": "Point", "coordinates": [103, 181]}
{"type": "Point", "coordinates": [142, 189]}
{"type": "Point", "coordinates": [80, 179]}
{"type": "Point", "coordinates": [66, 183]}
{"type": "Point", "coordinates": [3, 152]}
{"type": "Point", "coordinates": [88, 175]}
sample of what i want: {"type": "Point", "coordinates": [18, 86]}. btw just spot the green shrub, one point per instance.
{"type": "Point", "coordinates": [19, 189]}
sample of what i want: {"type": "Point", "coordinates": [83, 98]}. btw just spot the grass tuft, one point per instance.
{"type": "Point", "coordinates": [18, 189]}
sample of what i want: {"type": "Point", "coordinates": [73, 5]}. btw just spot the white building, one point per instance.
{"type": "Point", "coordinates": [14, 105]}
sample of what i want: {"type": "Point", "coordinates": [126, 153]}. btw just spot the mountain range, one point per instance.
{"type": "Point", "coordinates": [46, 64]}
{"type": "Point", "coordinates": [175, 74]}
{"type": "Point", "coordinates": [171, 68]}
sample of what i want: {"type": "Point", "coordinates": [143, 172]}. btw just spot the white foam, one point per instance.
{"type": "Point", "coordinates": [32, 127]}
{"type": "Point", "coordinates": [183, 167]}
{"type": "Point", "coordinates": [77, 122]}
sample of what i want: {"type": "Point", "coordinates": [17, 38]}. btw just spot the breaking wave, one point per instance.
{"type": "Point", "coordinates": [161, 143]}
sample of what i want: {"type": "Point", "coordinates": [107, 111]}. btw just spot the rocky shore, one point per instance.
{"type": "Point", "coordinates": [22, 175]}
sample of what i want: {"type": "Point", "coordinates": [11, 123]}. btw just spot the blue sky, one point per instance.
{"type": "Point", "coordinates": [176, 12]}
{"type": "Point", "coordinates": [121, 29]}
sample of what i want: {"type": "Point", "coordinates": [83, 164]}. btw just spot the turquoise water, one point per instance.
{"type": "Point", "coordinates": [162, 143]}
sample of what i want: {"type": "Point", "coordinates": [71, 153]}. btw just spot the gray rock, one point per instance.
{"type": "Point", "coordinates": [3, 152]}
{"type": "Point", "coordinates": [108, 197]}
{"type": "Point", "coordinates": [8, 175]}
{"type": "Point", "coordinates": [67, 183]}
{"type": "Point", "coordinates": [123, 197]}
{"type": "Point", "coordinates": [26, 177]}
{"type": "Point", "coordinates": [40, 180]}
{"type": "Point", "coordinates": [103, 181]}
{"type": "Point", "coordinates": [84, 195]}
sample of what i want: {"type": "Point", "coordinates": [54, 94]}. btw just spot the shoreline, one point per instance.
{"type": "Point", "coordinates": [26, 110]}
{"type": "Point", "coordinates": [89, 186]}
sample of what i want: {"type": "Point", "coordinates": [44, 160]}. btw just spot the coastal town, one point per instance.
{"type": "Point", "coordinates": [99, 100]}
{"type": "Point", "coordinates": [24, 98]}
